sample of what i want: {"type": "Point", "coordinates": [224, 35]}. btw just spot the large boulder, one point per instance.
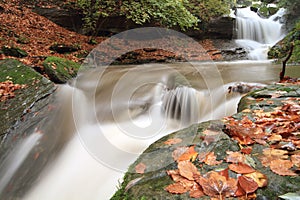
{"type": "Point", "coordinates": [60, 70]}
{"type": "Point", "coordinates": [232, 157]}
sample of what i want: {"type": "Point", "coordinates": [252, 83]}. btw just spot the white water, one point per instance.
{"type": "Point", "coordinates": [257, 34]}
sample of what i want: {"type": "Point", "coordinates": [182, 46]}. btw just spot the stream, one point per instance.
{"type": "Point", "coordinates": [106, 117]}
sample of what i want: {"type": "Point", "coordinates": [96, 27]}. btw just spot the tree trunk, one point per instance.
{"type": "Point", "coordinates": [282, 73]}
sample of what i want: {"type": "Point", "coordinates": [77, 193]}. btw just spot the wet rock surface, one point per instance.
{"type": "Point", "coordinates": [213, 136]}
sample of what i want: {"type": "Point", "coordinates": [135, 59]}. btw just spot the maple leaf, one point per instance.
{"type": "Point", "coordinates": [188, 170]}
{"type": "Point", "coordinates": [211, 159]}
{"type": "Point", "coordinates": [248, 184]}
{"type": "Point", "coordinates": [215, 185]}
{"type": "Point", "coordinates": [173, 141]}
{"type": "Point", "coordinates": [259, 178]}
{"type": "Point", "coordinates": [282, 167]}
{"type": "Point", "coordinates": [241, 168]}
{"type": "Point", "coordinates": [140, 168]}
{"type": "Point", "coordinates": [176, 188]}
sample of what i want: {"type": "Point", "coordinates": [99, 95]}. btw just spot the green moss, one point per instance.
{"type": "Point", "coordinates": [60, 70]}
{"type": "Point", "coordinates": [282, 48]}
{"type": "Point", "coordinates": [36, 87]}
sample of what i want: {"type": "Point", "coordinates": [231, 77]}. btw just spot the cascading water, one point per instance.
{"type": "Point", "coordinates": [257, 34]}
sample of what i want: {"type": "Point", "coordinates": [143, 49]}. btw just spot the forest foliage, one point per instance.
{"type": "Point", "coordinates": [184, 14]}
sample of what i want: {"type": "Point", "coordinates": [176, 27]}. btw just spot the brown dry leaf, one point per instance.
{"type": "Point", "coordinates": [248, 184]}
{"type": "Point", "coordinates": [282, 167]}
{"type": "Point", "coordinates": [241, 168]}
{"type": "Point", "coordinates": [215, 185]}
{"type": "Point", "coordinates": [235, 157]}
{"type": "Point", "coordinates": [275, 138]}
{"type": "Point", "coordinates": [176, 188]}
{"type": "Point", "coordinates": [211, 159]}
{"type": "Point", "coordinates": [259, 178]}
{"type": "Point", "coordinates": [173, 141]}
{"type": "Point", "coordinates": [190, 154]}
{"type": "Point", "coordinates": [175, 175]}
{"type": "Point", "coordinates": [178, 152]}
{"type": "Point", "coordinates": [188, 170]}
{"type": "Point", "coordinates": [210, 136]}
{"type": "Point", "coordinates": [296, 159]}
{"type": "Point", "coordinates": [140, 168]}
{"type": "Point", "coordinates": [270, 154]}
{"type": "Point", "coordinates": [196, 191]}
{"type": "Point", "coordinates": [246, 150]}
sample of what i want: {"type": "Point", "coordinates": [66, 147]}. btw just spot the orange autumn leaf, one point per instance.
{"type": "Point", "coordinates": [140, 168]}
{"type": "Point", "coordinates": [175, 175]}
{"type": "Point", "coordinates": [176, 188]}
{"type": "Point", "coordinates": [296, 159]}
{"type": "Point", "coordinates": [282, 167]}
{"type": "Point", "coordinates": [259, 178]}
{"type": "Point", "coordinates": [248, 184]}
{"type": "Point", "coordinates": [178, 152]}
{"type": "Point", "coordinates": [211, 159]}
{"type": "Point", "coordinates": [215, 185]}
{"type": "Point", "coordinates": [275, 138]}
{"type": "Point", "coordinates": [188, 170]}
{"type": "Point", "coordinates": [241, 168]}
{"type": "Point", "coordinates": [173, 141]}
{"type": "Point", "coordinates": [190, 154]}
{"type": "Point", "coordinates": [235, 157]}
{"type": "Point", "coordinates": [246, 150]}
{"type": "Point", "coordinates": [196, 191]}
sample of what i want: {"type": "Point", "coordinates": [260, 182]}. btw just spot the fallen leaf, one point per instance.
{"type": "Point", "coordinates": [282, 167]}
{"type": "Point", "coordinates": [275, 138]}
{"type": "Point", "coordinates": [210, 136]}
{"type": "Point", "coordinates": [246, 150]}
{"type": "Point", "coordinates": [296, 159]}
{"type": "Point", "coordinates": [235, 157]}
{"type": "Point", "coordinates": [176, 188]}
{"type": "Point", "coordinates": [178, 152]}
{"type": "Point", "coordinates": [215, 185]}
{"type": "Point", "coordinates": [196, 191]}
{"type": "Point", "coordinates": [248, 184]}
{"type": "Point", "coordinates": [259, 178]}
{"type": "Point", "coordinates": [211, 159]}
{"type": "Point", "coordinates": [190, 154]}
{"type": "Point", "coordinates": [188, 170]}
{"type": "Point", "coordinates": [270, 154]}
{"type": "Point", "coordinates": [173, 141]}
{"type": "Point", "coordinates": [140, 168]}
{"type": "Point", "coordinates": [241, 168]}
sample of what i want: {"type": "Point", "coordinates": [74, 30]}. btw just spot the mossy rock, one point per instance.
{"type": "Point", "coordinates": [158, 157]}
{"type": "Point", "coordinates": [280, 50]}
{"type": "Point", "coordinates": [60, 70]}
{"type": "Point", "coordinates": [268, 97]}
{"type": "Point", "coordinates": [36, 88]}
{"type": "Point", "coordinates": [14, 52]}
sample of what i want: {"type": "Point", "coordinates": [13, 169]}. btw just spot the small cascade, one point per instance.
{"type": "Point", "coordinates": [257, 34]}
{"type": "Point", "coordinates": [182, 104]}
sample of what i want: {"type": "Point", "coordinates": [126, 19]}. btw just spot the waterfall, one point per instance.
{"type": "Point", "coordinates": [182, 103]}
{"type": "Point", "coordinates": [257, 34]}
